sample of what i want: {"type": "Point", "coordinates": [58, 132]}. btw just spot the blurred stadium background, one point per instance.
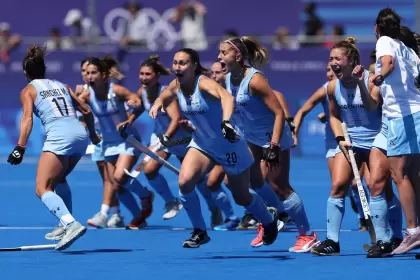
{"type": "Point", "coordinates": [298, 35]}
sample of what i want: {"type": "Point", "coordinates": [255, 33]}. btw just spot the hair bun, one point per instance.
{"type": "Point", "coordinates": [35, 52]}
{"type": "Point", "coordinates": [154, 57]}
{"type": "Point", "coordinates": [351, 40]}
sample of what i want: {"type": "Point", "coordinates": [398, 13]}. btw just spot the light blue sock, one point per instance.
{"type": "Point", "coordinates": [127, 199]}
{"type": "Point", "coordinates": [206, 193]}
{"type": "Point", "coordinates": [63, 191]}
{"type": "Point", "coordinates": [293, 206]}
{"type": "Point", "coordinates": [258, 209]}
{"type": "Point", "coordinates": [191, 204]}
{"type": "Point", "coordinates": [161, 186]}
{"type": "Point", "coordinates": [267, 193]}
{"type": "Point", "coordinates": [335, 212]}
{"type": "Point", "coordinates": [379, 211]}
{"type": "Point", "coordinates": [223, 202]}
{"type": "Point", "coordinates": [56, 205]}
{"type": "Point", "coordinates": [395, 217]}
{"type": "Point", "coordinates": [136, 187]}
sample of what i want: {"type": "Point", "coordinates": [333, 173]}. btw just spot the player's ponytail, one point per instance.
{"type": "Point", "coordinates": [154, 63]}
{"type": "Point", "coordinates": [34, 63]}
{"type": "Point", "coordinates": [251, 50]}
{"type": "Point", "coordinates": [111, 67]}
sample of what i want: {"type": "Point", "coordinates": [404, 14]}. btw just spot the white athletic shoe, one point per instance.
{"type": "Point", "coordinates": [98, 221]}
{"type": "Point", "coordinates": [116, 221]}
{"type": "Point", "coordinates": [56, 234]}
{"type": "Point", "coordinates": [172, 209]}
{"type": "Point", "coordinates": [73, 232]}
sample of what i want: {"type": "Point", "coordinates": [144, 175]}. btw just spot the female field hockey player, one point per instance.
{"type": "Point", "coordinates": [266, 131]}
{"type": "Point", "coordinates": [320, 96]}
{"type": "Point", "coordinates": [345, 104]}
{"type": "Point", "coordinates": [110, 203]}
{"type": "Point", "coordinates": [107, 101]}
{"type": "Point", "coordinates": [396, 71]}
{"type": "Point", "coordinates": [66, 138]}
{"type": "Point", "coordinates": [209, 107]}
{"type": "Point", "coordinates": [166, 125]}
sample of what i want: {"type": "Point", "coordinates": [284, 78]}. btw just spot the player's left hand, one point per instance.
{"type": "Point", "coordinates": [16, 156]}
{"type": "Point", "coordinates": [95, 139]}
{"type": "Point", "coordinates": [229, 132]}
{"type": "Point", "coordinates": [122, 128]}
{"type": "Point", "coordinates": [271, 155]}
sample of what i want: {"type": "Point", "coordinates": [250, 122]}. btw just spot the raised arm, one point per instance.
{"type": "Point", "coordinates": [168, 95]}
{"type": "Point", "coordinates": [385, 51]}
{"type": "Point", "coordinates": [131, 98]}
{"type": "Point", "coordinates": [217, 91]}
{"type": "Point", "coordinates": [371, 97]}
{"type": "Point", "coordinates": [174, 114]}
{"type": "Point", "coordinates": [316, 98]}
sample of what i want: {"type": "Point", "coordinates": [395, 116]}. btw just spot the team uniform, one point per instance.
{"type": "Point", "coordinates": [401, 98]}
{"type": "Point", "coordinates": [206, 115]}
{"type": "Point", "coordinates": [257, 127]}
{"type": "Point", "coordinates": [110, 113]}
{"type": "Point", "coordinates": [401, 107]}
{"type": "Point", "coordinates": [257, 121]}
{"type": "Point", "coordinates": [65, 134]}
{"type": "Point", "coordinates": [363, 127]}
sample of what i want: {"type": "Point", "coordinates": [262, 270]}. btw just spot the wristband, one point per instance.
{"type": "Point", "coordinates": [339, 139]}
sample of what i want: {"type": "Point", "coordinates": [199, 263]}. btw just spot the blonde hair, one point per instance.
{"type": "Point", "coordinates": [251, 50]}
{"type": "Point", "coordinates": [352, 52]}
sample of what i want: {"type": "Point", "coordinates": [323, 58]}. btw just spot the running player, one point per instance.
{"type": "Point", "coordinates": [110, 203]}
{"type": "Point", "coordinates": [209, 107]}
{"type": "Point", "coordinates": [107, 101]}
{"type": "Point", "coordinates": [267, 133]}
{"type": "Point", "coordinates": [66, 138]}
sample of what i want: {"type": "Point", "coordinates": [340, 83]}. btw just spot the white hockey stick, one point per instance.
{"type": "Point", "coordinates": [139, 146]}
{"type": "Point", "coordinates": [362, 195]}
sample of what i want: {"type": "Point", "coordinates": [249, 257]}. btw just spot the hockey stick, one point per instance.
{"type": "Point", "coordinates": [29, 248]}
{"type": "Point", "coordinates": [139, 146]}
{"type": "Point", "coordinates": [136, 172]}
{"type": "Point", "coordinates": [362, 195]}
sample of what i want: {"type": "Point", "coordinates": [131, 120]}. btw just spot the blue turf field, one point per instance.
{"type": "Point", "coordinates": [156, 252]}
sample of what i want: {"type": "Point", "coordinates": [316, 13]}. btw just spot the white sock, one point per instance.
{"type": "Point", "coordinates": [105, 210]}
{"type": "Point", "coordinates": [413, 231]}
